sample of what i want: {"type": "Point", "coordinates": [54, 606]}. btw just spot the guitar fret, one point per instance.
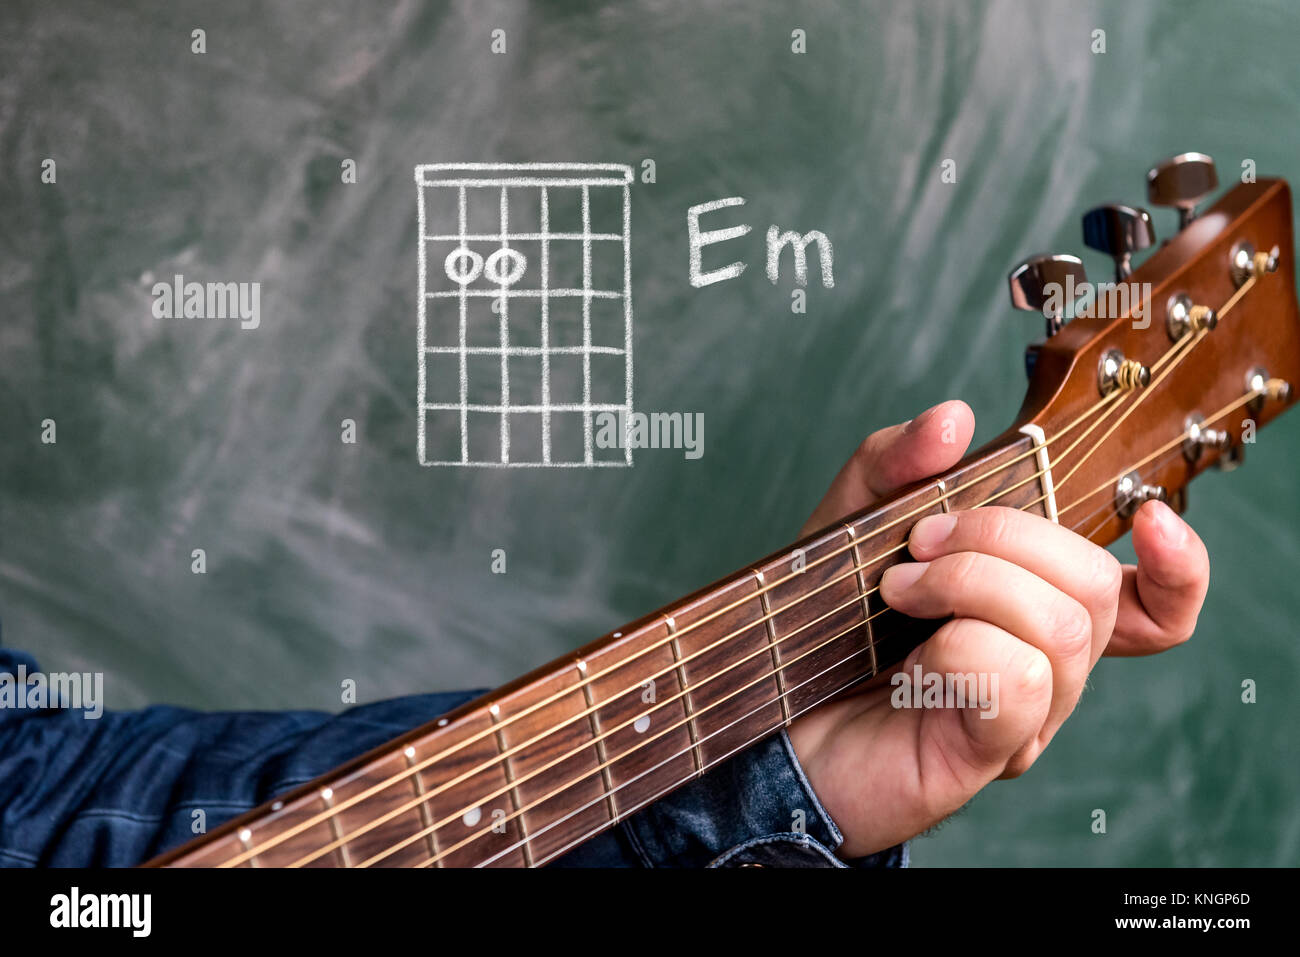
{"type": "Point", "coordinates": [686, 698]}
{"type": "Point", "coordinates": [479, 828]}
{"type": "Point", "coordinates": [515, 803]}
{"type": "Point", "coordinates": [246, 839]}
{"type": "Point", "coordinates": [554, 761]}
{"type": "Point", "coordinates": [599, 738]}
{"type": "Point", "coordinates": [372, 826]}
{"type": "Point", "coordinates": [862, 590]}
{"type": "Point", "coordinates": [894, 634]}
{"type": "Point", "coordinates": [426, 816]}
{"type": "Point", "coordinates": [647, 738]}
{"type": "Point", "coordinates": [943, 495]}
{"type": "Point", "coordinates": [728, 666]}
{"type": "Point", "coordinates": [327, 798]}
{"type": "Point", "coordinates": [772, 643]}
{"type": "Point", "coordinates": [818, 616]}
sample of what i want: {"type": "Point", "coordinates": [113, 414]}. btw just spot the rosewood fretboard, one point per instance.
{"type": "Point", "coordinates": [530, 771]}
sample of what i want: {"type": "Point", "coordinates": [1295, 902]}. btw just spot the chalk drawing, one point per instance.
{"type": "Point", "coordinates": [465, 321]}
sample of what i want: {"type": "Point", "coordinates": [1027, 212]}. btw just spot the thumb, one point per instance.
{"type": "Point", "coordinates": [887, 460]}
{"type": "Point", "coordinates": [1161, 598]}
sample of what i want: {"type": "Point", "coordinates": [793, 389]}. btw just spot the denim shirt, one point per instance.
{"type": "Point", "coordinates": [119, 789]}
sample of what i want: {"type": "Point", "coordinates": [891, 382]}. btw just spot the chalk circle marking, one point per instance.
{"type": "Point", "coordinates": [510, 274]}
{"type": "Point", "coordinates": [463, 265]}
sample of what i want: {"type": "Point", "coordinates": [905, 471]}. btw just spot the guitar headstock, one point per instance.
{"type": "Point", "coordinates": [1174, 366]}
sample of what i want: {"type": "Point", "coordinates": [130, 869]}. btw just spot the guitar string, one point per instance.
{"type": "Point", "coordinates": [519, 811]}
{"type": "Point", "coordinates": [623, 814]}
{"type": "Point", "coordinates": [1120, 421]}
{"type": "Point", "coordinates": [654, 797]}
{"type": "Point", "coordinates": [1183, 346]}
{"type": "Point", "coordinates": [1109, 508]}
{"type": "Point", "coordinates": [672, 757]}
{"type": "Point", "coordinates": [766, 704]}
{"type": "Point", "coordinates": [426, 796]}
{"type": "Point", "coordinates": [763, 650]}
{"type": "Point", "coordinates": [415, 768]}
{"type": "Point", "coordinates": [1190, 342]}
{"type": "Point", "coordinates": [1106, 506]}
{"type": "Point", "coordinates": [1226, 410]}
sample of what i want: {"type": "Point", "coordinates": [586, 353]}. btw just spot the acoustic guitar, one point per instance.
{"type": "Point", "coordinates": [1168, 371]}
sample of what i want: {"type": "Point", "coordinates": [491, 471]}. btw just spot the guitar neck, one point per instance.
{"type": "Point", "coordinates": [522, 775]}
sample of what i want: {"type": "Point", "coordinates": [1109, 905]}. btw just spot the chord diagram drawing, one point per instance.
{"type": "Point", "coordinates": [525, 313]}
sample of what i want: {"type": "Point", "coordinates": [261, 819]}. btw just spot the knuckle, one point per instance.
{"type": "Point", "coordinates": [1107, 578]}
{"type": "Point", "coordinates": [1021, 762]}
{"type": "Point", "coordinates": [961, 570]}
{"type": "Point", "coordinates": [998, 525]}
{"type": "Point", "coordinates": [868, 449]}
{"type": "Point", "coordinates": [1031, 673]}
{"type": "Point", "coordinates": [1069, 627]}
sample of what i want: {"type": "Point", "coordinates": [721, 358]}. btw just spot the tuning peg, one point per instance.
{"type": "Point", "coordinates": [1130, 492]}
{"type": "Point", "coordinates": [1118, 231]}
{"type": "Point", "coordinates": [1200, 437]}
{"type": "Point", "coordinates": [1045, 284]}
{"type": "Point", "coordinates": [1182, 181]}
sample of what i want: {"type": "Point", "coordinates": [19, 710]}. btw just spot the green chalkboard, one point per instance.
{"type": "Point", "coordinates": [326, 560]}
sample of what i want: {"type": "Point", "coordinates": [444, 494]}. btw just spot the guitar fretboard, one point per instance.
{"type": "Point", "coordinates": [532, 770]}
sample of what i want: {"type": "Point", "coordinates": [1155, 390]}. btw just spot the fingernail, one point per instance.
{"type": "Point", "coordinates": [901, 577]}
{"type": "Point", "coordinates": [932, 530]}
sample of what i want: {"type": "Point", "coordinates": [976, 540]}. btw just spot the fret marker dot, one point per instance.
{"type": "Point", "coordinates": [473, 816]}
{"type": "Point", "coordinates": [277, 805]}
{"type": "Point", "coordinates": [442, 722]}
{"type": "Point", "coordinates": [642, 724]}
{"type": "Point", "coordinates": [618, 634]}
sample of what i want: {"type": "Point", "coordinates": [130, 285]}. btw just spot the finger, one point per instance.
{"type": "Point", "coordinates": [1162, 596]}
{"type": "Point", "coordinates": [991, 589]}
{"type": "Point", "coordinates": [887, 460]}
{"type": "Point", "coordinates": [976, 744]}
{"type": "Point", "coordinates": [1067, 561]}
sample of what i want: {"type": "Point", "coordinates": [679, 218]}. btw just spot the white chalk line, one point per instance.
{"type": "Point", "coordinates": [526, 350]}
{"type": "Point", "coordinates": [544, 218]}
{"type": "Point", "coordinates": [420, 339]}
{"type": "Point", "coordinates": [586, 322]}
{"type": "Point", "coordinates": [526, 293]}
{"type": "Point", "coordinates": [521, 237]}
{"type": "Point", "coordinates": [550, 407]}
{"type": "Point", "coordinates": [462, 217]}
{"type": "Point", "coordinates": [505, 337]}
{"type": "Point", "coordinates": [627, 316]}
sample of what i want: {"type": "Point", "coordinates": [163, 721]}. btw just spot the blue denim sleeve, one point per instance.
{"type": "Point", "coordinates": [125, 786]}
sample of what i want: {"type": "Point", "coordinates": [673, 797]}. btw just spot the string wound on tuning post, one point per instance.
{"type": "Point", "coordinates": [1116, 372]}
{"type": "Point", "coordinates": [1245, 263]}
{"type": "Point", "coordinates": [1279, 390]}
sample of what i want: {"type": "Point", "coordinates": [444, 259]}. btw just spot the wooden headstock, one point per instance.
{"type": "Point", "coordinates": [1096, 439]}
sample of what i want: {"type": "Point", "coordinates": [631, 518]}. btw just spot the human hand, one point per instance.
{"type": "Point", "coordinates": [1032, 602]}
